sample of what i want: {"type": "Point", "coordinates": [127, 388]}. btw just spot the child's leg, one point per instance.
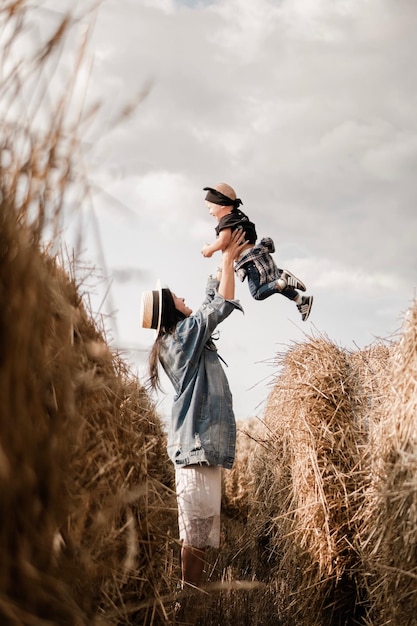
{"type": "Point", "coordinates": [283, 285]}
{"type": "Point", "coordinates": [280, 285]}
{"type": "Point", "coordinates": [291, 294]}
{"type": "Point", "coordinates": [258, 291]}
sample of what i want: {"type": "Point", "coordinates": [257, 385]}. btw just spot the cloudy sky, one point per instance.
{"type": "Point", "coordinates": [306, 107]}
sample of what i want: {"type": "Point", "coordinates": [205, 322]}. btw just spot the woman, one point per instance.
{"type": "Point", "coordinates": [202, 431]}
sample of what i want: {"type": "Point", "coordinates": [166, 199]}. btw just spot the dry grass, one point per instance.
{"type": "Point", "coordinates": [388, 536]}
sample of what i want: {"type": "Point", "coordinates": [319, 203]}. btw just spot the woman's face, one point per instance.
{"type": "Point", "coordinates": [181, 306]}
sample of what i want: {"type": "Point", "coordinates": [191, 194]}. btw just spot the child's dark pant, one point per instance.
{"type": "Point", "coordinates": [262, 291]}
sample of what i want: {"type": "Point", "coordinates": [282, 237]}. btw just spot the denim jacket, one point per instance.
{"type": "Point", "coordinates": [202, 428]}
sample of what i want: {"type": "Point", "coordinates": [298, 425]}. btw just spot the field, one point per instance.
{"type": "Point", "coordinates": [319, 511]}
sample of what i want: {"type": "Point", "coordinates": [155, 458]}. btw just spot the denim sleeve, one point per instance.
{"type": "Point", "coordinates": [211, 289]}
{"type": "Point", "coordinates": [194, 331]}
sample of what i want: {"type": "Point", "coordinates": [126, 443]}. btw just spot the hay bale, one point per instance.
{"type": "Point", "coordinates": [388, 536]}
{"type": "Point", "coordinates": [86, 485]}
{"type": "Point", "coordinates": [313, 491]}
{"type": "Point", "coordinates": [36, 412]}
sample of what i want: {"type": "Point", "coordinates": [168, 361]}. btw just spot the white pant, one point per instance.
{"type": "Point", "coordinates": [199, 500]}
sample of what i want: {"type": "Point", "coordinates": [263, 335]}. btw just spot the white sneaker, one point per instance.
{"type": "Point", "coordinates": [305, 307]}
{"type": "Point", "coordinates": [292, 281]}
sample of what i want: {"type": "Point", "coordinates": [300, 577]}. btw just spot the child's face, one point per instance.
{"type": "Point", "coordinates": [214, 209]}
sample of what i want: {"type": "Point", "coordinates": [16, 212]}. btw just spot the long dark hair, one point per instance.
{"type": "Point", "coordinates": [169, 319]}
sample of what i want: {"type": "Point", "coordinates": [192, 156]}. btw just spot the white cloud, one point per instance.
{"type": "Point", "coordinates": [394, 159]}
{"type": "Point", "coordinates": [156, 198]}
{"type": "Point", "coordinates": [243, 27]}
{"type": "Point", "coordinates": [355, 281]}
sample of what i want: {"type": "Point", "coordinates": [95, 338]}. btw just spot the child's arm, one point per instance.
{"type": "Point", "coordinates": [221, 242]}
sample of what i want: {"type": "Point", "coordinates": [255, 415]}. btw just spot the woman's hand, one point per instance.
{"type": "Point", "coordinates": [234, 248]}
{"type": "Point", "coordinates": [230, 253]}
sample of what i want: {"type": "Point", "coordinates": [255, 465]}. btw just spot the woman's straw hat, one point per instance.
{"type": "Point", "coordinates": [151, 308]}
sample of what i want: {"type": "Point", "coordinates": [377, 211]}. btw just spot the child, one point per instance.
{"type": "Point", "coordinates": [255, 261]}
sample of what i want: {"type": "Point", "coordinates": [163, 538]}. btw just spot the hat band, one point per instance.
{"type": "Point", "coordinates": [155, 309]}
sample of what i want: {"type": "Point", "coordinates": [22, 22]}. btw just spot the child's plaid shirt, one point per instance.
{"type": "Point", "coordinates": [260, 255]}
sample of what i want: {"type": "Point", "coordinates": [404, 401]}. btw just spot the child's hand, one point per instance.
{"type": "Point", "coordinates": [206, 251]}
